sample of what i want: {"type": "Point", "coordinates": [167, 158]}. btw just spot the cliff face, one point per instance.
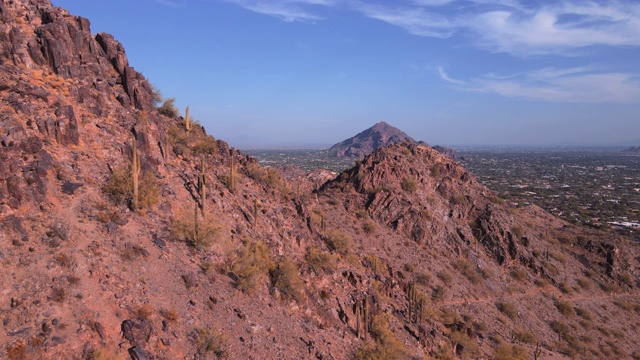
{"type": "Point", "coordinates": [35, 36]}
{"type": "Point", "coordinates": [223, 258]}
{"type": "Point", "coordinates": [364, 143]}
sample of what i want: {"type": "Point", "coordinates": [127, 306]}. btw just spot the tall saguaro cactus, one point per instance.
{"type": "Point", "coordinates": [202, 186]}
{"type": "Point", "coordinates": [187, 121]}
{"type": "Point", "coordinates": [362, 318]}
{"type": "Point", "coordinates": [135, 174]}
{"type": "Point", "coordinates": [232, 175]}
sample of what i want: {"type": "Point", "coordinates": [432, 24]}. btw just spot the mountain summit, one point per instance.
{"type": "Point", "coordinates": [375, 137]}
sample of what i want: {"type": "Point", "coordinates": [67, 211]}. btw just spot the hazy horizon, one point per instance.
{"type": "Point", "coordinates": [490, 72]}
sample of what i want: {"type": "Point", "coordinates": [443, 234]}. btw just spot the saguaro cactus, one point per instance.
{"type": "Point", "coordinates": [187, 121]}
{"type": "Point", "coordinates": [202, 186]}
{"type": "Point", "coordinates": [362, 317]}
{"type": "Point", "coordinates": [255, 211]}
{"type": "Point", "coordinates": [232, 175]}
{"type": "Point", "coordinates": [135, 174]}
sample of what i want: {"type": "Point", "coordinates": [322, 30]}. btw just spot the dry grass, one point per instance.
{"type": "Point", "coordinates": [286, 278]}
{"type": "Point", "coordinates": [252, 262]}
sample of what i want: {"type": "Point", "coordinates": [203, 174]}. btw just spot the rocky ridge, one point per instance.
{"type": "Point", "coordinates": [226, 259]}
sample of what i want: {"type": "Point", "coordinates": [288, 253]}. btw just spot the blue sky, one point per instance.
{"type": "Point", "coordinates": [453, 72]}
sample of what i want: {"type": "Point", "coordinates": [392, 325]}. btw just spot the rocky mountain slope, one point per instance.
{"type": "Point", "coordinates": [365, 142]}
{"type": "Point", "coordinates": [633, 149]}
{"type": "Point", "coordinates": [128, 232]}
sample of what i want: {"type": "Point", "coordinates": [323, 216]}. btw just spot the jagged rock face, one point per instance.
{"type": "Point", "coordinates": [446, 151]}
{"type": "Point", "coordinates": [34, 35]}
{"type": "Point", "coordinates": [377, 136]}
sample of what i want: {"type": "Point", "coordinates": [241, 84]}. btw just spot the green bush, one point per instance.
{"type": "Point", "coordinates": [168, 108]}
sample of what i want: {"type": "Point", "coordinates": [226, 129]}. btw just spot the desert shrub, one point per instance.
{"type": "Point", "coordinates": [206, 145]}
{"type": "Point", "coordinates": [508, 309]}
{"type": "Point", "coordinates": [525, 336]}
{"type": "Point", "coordinates": [469, 345]}
{"type": "Point", "coordinates": [560, 257]}
{"type": "Point", "coordinates": [64, 260]}
{"type": "Point", "coordinates": [321, 261]}
{"type": "Point", "coordinates": [438, 293]}
{"type": "Point", "coordinates": [510, 352]}
{"type": "Point", "coordinates": [149, 191]}
{"type": "Point", "coordinates": [169, 314]}
{"type": "Point", "coordinates": [458, 199]}
{"type": "Point", "coordinates": [198, 232]}
{"type": "Point", "coordinates": [387, 345]}
{"type": "Point", "coordinates": [560, 328]}
{"type": "Point", "coordinates": [168, 108]}
{"type": "Point", "coordinates": [143, 312]}
{"type": "Point", "coordinates": [584, 283]}
{"type": "Point", "coordinates": [436, 169]}
{"type": "Point", "coordinates": [58, 294]}
{"type": "Point", "coordinates": [449, 316]}
{"type": "Point", "coordinates": [517, 231]}
{"type": "Point", "coordinates": [564, 308]}
{"type": "Point", "coordinates": [286, 278]}
{"type": "Point", "coordinates": [624, 305]}
{"type": "Point", "coordinates": [565, 288]}
{"type": "Point", "coordinates": [583, 313]}
{"type": "Point", "coordinates": [518, 274]}
{"type": "Point", "coordinates": [445, 276]}
{"type": "Point", "coordinates": [339, 241]}
{"type": "Point", "coordinates": [212, 341]}
{"type": "Point", "coordinates": [625, 279]}
{"type": "Point", "coordinates": [409, 185]}
{"type": "Point", "coordinates": [252, 262]}
{"type": "Point", "coordinates": [369, 227]}
{"type": "Point", "coordinates": [119, 187]}
{"type": "Point", "coordinates": [551, 268]}
{"type": "Point", "coordinates": [409, 267]}
{"type": "Point", "coordinates": [17, 351]}
{"type": "Point", "coordinates": [612, 287]}
{"type": "Point", "coordinates": [423, 279]}
{"type": "Point", "coordinates": [496, 199]}
{"type": "Point", "coordinates": [468, 270]}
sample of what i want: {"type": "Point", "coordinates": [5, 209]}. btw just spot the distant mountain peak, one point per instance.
{"type": "Point", "coordinates": [379, 135]}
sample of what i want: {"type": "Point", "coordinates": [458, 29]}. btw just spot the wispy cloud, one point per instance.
{"type": "Point", "coordinates": [560, 27]}
{"type": "Point", "coordinates": [444, 76]}
{"type": "Point", "coordinates": [286, 10]}
{"type": "Point", "coordinates": [415, 20]}
{"type": "Point", "coordinates": [173, 3]}
{"type": "Point", "coordinates": [580, 85]}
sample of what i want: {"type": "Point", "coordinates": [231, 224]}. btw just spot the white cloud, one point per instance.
{"type": "Point", "coordinates": [444, 76]}
{"type": "Point", "coordinates": [563, 27]}
{"type": "Point", "coordinates": [286, 10]}
{"type": "Point", "coordinates": [173, 3]}
{"type": "Point", "coordinates": [415, 20]}
{"type": "Point", "coordinates": [580, 85]}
